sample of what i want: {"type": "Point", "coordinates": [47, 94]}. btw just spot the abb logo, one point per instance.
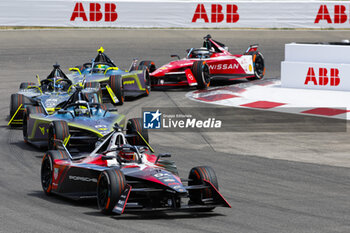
{"type": "Point", "coordinates": [95, 13]}
{"type": "Point", "coordinates": [217, 16]}
{"type": "Point", "coordinates": [323, 78]}
{"type": "Point", "coordinates": [339, 14]}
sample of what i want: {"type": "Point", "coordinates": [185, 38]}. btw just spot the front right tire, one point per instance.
{"type": "Point", "coordinates": [116, 84]}
{"type": "Point", "coordinates": [197, 176]}
{"type": "Point", "coordinates": [259, 65]}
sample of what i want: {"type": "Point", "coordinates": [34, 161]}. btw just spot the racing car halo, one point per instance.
{"type": "Point", "coordinates": [114, 82]}
{"type": "Point", "coordinates": [124, 176]}
{"type": "Point", "coordinates": [212, 61]}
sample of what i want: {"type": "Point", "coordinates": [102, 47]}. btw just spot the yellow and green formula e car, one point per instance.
{"type": "Point", "coordinates": [78, 122]}
{"type": "Point", "coordinates": [48, 95]}
{"type": "Point", "coordinates": [115, 83]}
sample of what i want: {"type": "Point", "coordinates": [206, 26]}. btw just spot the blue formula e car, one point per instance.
{"type": "Point", "coordinates": [49, 94]}
{"type": "Point", "coordinates": [79, 122]}
{"type": "Point", "coordinates": [114, 82]}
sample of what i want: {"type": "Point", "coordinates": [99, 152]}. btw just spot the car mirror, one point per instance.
{"type": "Point", "coordinates": [175, 55]}
{"type": "Point", "coordinates": [165, 155]}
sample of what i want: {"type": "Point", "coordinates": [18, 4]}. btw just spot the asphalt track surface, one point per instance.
{"type": "Point", "coordinates": [304, 188]}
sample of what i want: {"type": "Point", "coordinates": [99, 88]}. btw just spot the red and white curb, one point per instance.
{"type": "Point", "coordinates": [269, 95]}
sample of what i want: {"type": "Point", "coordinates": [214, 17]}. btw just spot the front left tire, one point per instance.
{"type": "Point", "coordinates": [57, 130]}
{"type": "Point", "coordinates": [200, 71]}
{"type": "Point", "coordinates": [110, 186]}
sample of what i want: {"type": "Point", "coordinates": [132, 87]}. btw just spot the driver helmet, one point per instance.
{"type": "Point", "coordinates": [127, 156]}
{"type": "Point", "coordinates": [81, 110]}
{"type": "Point", "coordinates": [200, 53]}
{"type": "Point", "coordinates": [100, 68]}
{"type": "Point", "coordinates": [59, 86]}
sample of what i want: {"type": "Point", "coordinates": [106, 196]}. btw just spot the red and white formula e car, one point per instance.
{"type": "Point", "coordinates": [212, 61]}
{"type": "Point", "coordinates": [123, 174]}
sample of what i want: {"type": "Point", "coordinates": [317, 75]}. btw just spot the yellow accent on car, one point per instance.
{"type": "Point", "coordinates": [42, 129]}
{"type": "Point", "coordinates": [149, 146]}
{"type": "Point", "coordinates": [50, 110]}
{"type": "Point", "coordinates": [101, 49]}
{"type": "Point", "coordinates": [111, 68]}
{"type": "Point", "coordinates": [41, 92]}
{"type": "Point", "coordinates": [111, 93]}
{"type": "Point", "coordinates": [15, 114]}
{"type": "Point", "coordinates": [75, 70]}
{"type": "Point", "coordinates": [132, 76]}
{"type": "Point", "coordinates": [37, 77]}
{"type": "Point", "coordinates": [129, 82]}
{"type": "Point", "coordinates": [66, 140]}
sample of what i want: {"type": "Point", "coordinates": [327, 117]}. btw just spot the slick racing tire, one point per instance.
{"type": "Point", "coordinates": [116, 84]}
{"type": "Point", "coordinates": [200, 71]}
{"type": "Point", "coordinates": [57, 130]}
{"type": "Point", "coordinates": [47, 172]}
{"type": "Point", "coordinates": [135, 127]}
{"type": "Point", "coordinates": [110, 186]}
{"type": "Point", "coordinates": [196, 177]}
{"type": "Point", "coordinates": [151, 66]}
{"type": "Point", "coordinates": [259, 65]}
{"type": "Point", "coordinates": [146, 78]}
{"type": "Point", "coordinates": [16, 101]}
{"type": "Point", "coordinates": [29, 110]}
{"type": "Point", "coordinates": [25, 85]}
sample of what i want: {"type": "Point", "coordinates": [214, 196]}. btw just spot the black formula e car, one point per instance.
{"type": "Point", "coordinates": [115, 83]}
{"type": "Point", "coordinates": [125, 176]}
{"type": "Point", "coordinates": [79, 122]}
{"type": "Point", "coordinates": [47, 95]}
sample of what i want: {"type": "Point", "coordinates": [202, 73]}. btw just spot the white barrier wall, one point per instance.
{"type": "Point", "coordinates": [179, 14]}
{"type": "Point", "coordinates": [316, 66]}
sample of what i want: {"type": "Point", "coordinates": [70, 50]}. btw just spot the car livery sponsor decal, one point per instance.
{"type": "Point", "coordinates": [81, 178]}
{"type": "Point", "coordinates": [101, 127]}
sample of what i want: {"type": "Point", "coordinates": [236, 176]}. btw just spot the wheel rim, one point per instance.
{"type": "Point", "coordinates": [259, 65]}
{"type": "Point", "coordinates": [46, 173]}
{"type": "Point", "coordinates": [103, 192]}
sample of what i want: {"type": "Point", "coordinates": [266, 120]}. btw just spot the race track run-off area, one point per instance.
{"type": "Point", "coordinates": [269, 95]}
{"type": "Point", "coordinates": [276, 181]}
